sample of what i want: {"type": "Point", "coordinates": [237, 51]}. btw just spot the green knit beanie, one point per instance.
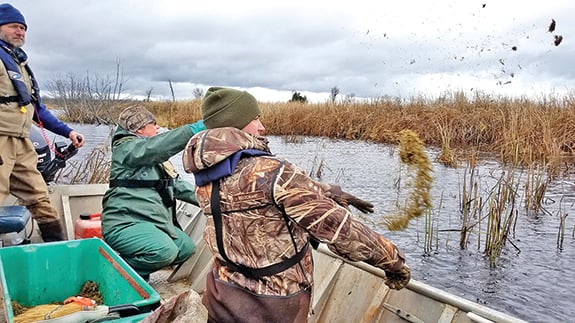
{"type": "Point", "coordinates": [224, 107]}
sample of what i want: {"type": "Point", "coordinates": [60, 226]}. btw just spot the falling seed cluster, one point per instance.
{"type": "Point", "coordinates": [412, 154]}
{"type": "Point", "coordinates": [557, 39]}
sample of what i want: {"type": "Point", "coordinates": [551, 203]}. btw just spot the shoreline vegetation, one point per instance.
{"type": "Point", "coordinates": [518, 132]}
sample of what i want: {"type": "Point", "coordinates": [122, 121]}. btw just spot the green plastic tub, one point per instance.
{"type": "Point", "coordinates": [131, 319]}
{"type": "Point", "coordinates": [51, 272]}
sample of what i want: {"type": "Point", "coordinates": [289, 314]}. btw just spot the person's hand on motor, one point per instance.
{"type": "Point", "coordinates": [77, 139]}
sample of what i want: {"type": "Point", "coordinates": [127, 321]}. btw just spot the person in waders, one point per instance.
{"type": "Point", "coordinates": [139, 208]}
{"type": "Point", "coordinates": [264, 215]}
{"type": "Point", "coordinates": [20, 106]}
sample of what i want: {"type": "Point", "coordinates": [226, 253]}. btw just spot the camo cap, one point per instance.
{"type": "Point", "coordinates": [135, 117]}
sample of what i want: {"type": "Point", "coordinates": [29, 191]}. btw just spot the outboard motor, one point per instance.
{"type": "Point", "coordinates": [47, 165]}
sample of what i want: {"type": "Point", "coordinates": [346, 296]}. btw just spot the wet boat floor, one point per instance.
{"type": "Point", "coordinates": [159, 282]}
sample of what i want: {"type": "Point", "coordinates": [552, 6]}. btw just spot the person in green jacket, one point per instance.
{"type": "Point", "coordinates": [138, 216]}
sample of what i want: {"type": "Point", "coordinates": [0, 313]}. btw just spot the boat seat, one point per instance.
{"type": "Point", "coordinates": [13, 218]}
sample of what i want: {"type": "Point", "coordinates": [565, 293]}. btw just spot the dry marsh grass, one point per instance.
{"type": "Point", "coordinates": [516, 131]}
{"type": "Point", "coordinates": [174, 114]}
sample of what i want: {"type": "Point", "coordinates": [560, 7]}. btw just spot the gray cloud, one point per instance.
{"type": "Point", "coordinates": [408, 49]}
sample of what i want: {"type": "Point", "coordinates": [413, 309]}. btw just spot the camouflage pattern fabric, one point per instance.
{"type": "Point", "coordinates": [135, 117]}
{"type": "Point", "coordinates": [254, 231]}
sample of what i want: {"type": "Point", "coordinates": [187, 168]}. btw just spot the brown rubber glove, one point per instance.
{"type": "Point", "coordinates": [398, 279]}
{"type": "Point", "coordinates": [345, 199]}
{"type": "Point", "coordinates": [361, 205]}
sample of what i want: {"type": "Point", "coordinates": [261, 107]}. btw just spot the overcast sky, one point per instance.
{"type": "Point", "coordinates": [365, 48]}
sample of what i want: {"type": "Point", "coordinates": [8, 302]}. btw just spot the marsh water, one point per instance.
{"type": "Point", "coordinates": [532, 279]}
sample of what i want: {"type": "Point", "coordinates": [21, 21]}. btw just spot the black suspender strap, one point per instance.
{"type": "Point", "coordinates": [133, 183]}
{"type": "Point", "coordinates": [245, 270]}
{"type": "Point", "coordinates": [8, 99]}
{"type": "Point", "coordinates": [160, 185]}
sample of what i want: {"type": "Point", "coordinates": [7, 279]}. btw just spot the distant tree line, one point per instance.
{"type": "Point", "coordinates": [95, 99]}
{"type": "Point", "coordinates": [89, 98]}
{"type": "Point", "coordinates": [298, 97]}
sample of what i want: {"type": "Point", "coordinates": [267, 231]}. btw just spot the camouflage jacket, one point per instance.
{"type": "Point", "coordinates": [255, 233]}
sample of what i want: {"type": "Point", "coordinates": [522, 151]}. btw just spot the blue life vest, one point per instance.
{"type": "Point", "coordinates": [9, 57]}
{"type": "Point", "coordinates": [226, 167]}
